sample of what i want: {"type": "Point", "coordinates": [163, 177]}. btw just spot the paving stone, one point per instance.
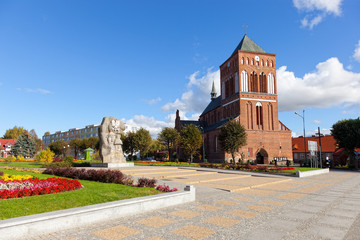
{"type": "Point", "coordinates": [222, 221]}
{"type": "Point", "coordinates": [336, 221]}
{"type": "Point", "coordinates": [194, 232]}
{"type": "Point", "coordinates": [156, 221]}
{"type": "Point", "coordinates": [243, 213]}
{"type": "Point", "coordinates": [281, 224]}
{"type": "Point", "coordinates": [273, 203]}
{"type": "Point", "coordinates": [260, 234]}
{"type": "Point", "coordinates": [209, 208]}
{"type": "Point", "coordinates": [155, 238]}
{"type": "Point", "coordinates": [291, 196]}
{"type": "Point", "coordinates": [298, 215]}
{"type": "Point", "coordinates": [227, 202]}
{"type": "Point", "coordinates": [259, 208]}
{"type": "Point", "coordinates": [185, 213]}
{"type": "Point", "coordinates": [306, 208]}
{"type": "Point", "coordinates": [245, 199]}
{"type": "Point", "coordinates": [342, 213]}
{"type": "Point", "coordinates": [257, 192]}
{"type": "Point", "coordinates": [326, 232]}
{"type": "Point", "coordinates": [117, 232]}
{"type": "Point", "coordinates": [315, 203]}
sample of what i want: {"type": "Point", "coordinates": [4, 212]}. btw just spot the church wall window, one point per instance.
{"type": "Point", "coordinates": [215, 144]}
{"type": "Point", "coordinates": [253, 82]}
{"type": "Point", "coordinates": [252, 61]}
{"type": "Point", "coordinates": [242, 60]}
{"type": "Point", "coordinates": [247, 61]}
{"type": "Point", "coordinates": [259, 115]}
{"type": "Point", "coordinates": [263, 83]}
{"type": "Point", "coordinates": [236, 82]}
{"type": "Point", "coordinates": [244, 81]}
{"type": "Point", "coordinates": [270, 117]}
{"type": "Point", "coordinates": [272, 64]}
{"type": "Point", "coordinates": [271, 83]}
{"type": "Point", "coordinates": [262, 62]}
{"type": "Point", "coordinates": [249, 115]}
{"type": "Point", "coordinates": [223, 90]}
{"type": "Point", "coordinates": [267, 62]}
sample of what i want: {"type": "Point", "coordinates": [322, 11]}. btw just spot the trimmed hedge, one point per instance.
{"type": "Point", "coordinates": [105, 176]}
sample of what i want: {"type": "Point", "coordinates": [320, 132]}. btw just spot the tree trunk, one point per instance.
{"type": "Point", "coordinates": [233, 156]}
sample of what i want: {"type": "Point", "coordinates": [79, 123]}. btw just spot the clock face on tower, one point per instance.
{"type": "Point", "coordinates": [257, 58]}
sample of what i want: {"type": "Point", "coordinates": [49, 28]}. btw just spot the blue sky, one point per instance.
{"type": "Point", "coordinates": [66, 64]}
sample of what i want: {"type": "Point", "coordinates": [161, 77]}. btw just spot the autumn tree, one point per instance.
{"type": "Point", "coordinates": [169, 137]}
{"type": "Point", "coordinates": [347, 135]}
{"type": "Point", "coordinates": [58, 147]}
{"type": "Point", "coordinates": [190, 140]}
{"type": "Point", "coordinates": [143, 141]}
{"type": "Point", "coordinates": [14, 132]}
{"type": "Point", "coordinates": [232, 136]}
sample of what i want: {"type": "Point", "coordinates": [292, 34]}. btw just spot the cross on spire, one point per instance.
{"type": "Point", "coordinates": [244, 26]}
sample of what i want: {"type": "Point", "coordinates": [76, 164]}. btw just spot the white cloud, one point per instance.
{"type": "Point", "coordinates": [197, 95]}
{"type": "Point", "coordinates": [357, 52]}
{"type": "Point", "coordinates": [310, 133]}
{"type": "Point", "coordinates": [317, 10]}
{"type": "Point", "coordinates": [317, 121]}
{"type": "Point", "coordinates": [149, 123]}
{"type": "Point", "coordinates": [38, 90]}
{"type": "Point", "coordinates": [153, 101]}
{"type": "Point", "coordinates": [329, 85]}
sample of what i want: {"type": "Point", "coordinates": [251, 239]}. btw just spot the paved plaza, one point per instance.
{"type": "Point", "coordinates": [240, 206]}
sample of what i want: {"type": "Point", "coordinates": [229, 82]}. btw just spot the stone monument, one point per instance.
{"type": "Point", "coordinates": [110, 151]}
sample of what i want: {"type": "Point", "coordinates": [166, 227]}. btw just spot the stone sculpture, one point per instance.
{"type": "Point", "coordinates": [110, 140]}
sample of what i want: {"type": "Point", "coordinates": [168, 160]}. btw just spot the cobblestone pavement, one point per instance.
{"type": "Point", "coordinates": [238, 206]}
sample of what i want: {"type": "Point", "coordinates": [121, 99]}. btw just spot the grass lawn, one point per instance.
{"type": "Point", "coordinates": [23, 164]}
{"type": "Point", "coordinates": [92, 193]}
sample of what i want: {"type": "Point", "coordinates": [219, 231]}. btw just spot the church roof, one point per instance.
{"type": "Point", "coordinates": [246, 44]}
{"type": "Point", "coordinates": [212, 105]}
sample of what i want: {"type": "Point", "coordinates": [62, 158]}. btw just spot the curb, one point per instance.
{"type": "Point", "coordinates": [45, 223]}
{"type": "Point", "coordinates": [311, 173]}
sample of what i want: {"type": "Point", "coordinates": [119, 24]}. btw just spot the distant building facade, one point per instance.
{"type": "Point", "coordinates": [248, 95]}
{"type": "Point", "coordinates": [80, 133]}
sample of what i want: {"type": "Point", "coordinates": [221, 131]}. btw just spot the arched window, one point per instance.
{"type": "Point", "coordinates": [263, 83]}
{"type": "Point", "coordinates": [271, 83]}
{"type": "Point", "coordinates": [270, 117]}
{"type": "Point", "coordinates": [272, 64]}
{"type": "Point", "coordinates": [249, 115]}
{"type": "Point", "coordinates": [259, 115]}
{"type": "Point", "coordinates": [252, 61]}
{"type": "Point", "coordinates": [247, 61]}
{"type": "Point", "coordinates": [267, 62]}
{"type": "Point", "coordinates": [262, 62]}
{"type": "Point", "coordinates": [253, 82]}
{"type": "Point", "coordinates": [215, 143]}
{"type": "Point", "coordinates": [244, 81]}
{"type": "Point", "coordinates": [242, 60]}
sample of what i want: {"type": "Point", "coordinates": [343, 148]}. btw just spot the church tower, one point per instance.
{"type": "Point", "coordinates": [248, 95]}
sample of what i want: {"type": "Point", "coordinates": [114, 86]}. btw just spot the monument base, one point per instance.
{"type": "Point", "coordinates": [112, 165]}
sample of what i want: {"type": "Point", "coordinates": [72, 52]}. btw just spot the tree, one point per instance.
{"type": "Point", "coordinates": [38, 142]}
{"type": "Point", "coordinates": [347, 135]}
{"type": "Point", "coordinates": [143, 141]}
{"type": "Point", "coordinates": [190, 140]}
{"type": "Point", "coordinates": [24, 146]}
{"type": "Point", "coordinates": [75, 145]}
{"type": "Point", "coordinates": [129, 144]}
{"type": "Point", "coordinates": [45, 156]}
{"type": "Point", "coordinates": [14, 132]}
{"type": "Point", "coordinates": [169, 137]}
{"type": "Point", "coordinates": [58, 147]}
{"type": "Point", "coordinates": [232, 136]}
{"type": "Point", "coordinates": [47, 133]}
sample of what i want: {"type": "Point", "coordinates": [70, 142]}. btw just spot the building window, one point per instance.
{"type": "Point", "coordinates": [267, 62]}
{"type": "Point", "coordinates": [259, 115]}
{"type": "Point", "coordinates": [253, 82]}
{"type": "Point", "coordinates": [252, 61]}
{"type": "Point", "coordinates": [244, 81]}
{"type": "Point", "coordinates": [215, 144]}
{"type": "Point", "coordinates": [271, 83]}
{"type": "Point", "coordinates": [262, 77]}
{"type": "Point", "coordinates": [249, 115]}
{"type": "Point", "coordinates": [242, 60]}
{"type": "Point", "coordinates": [247, 61]}
{"type": "Point", "coordinates": [262, 62]}
{"type": "Point", "coordinates": [272, 64]}
{"type": "Point", "coordinates": [270, 117]}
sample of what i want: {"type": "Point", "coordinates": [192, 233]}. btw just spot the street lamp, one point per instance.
{"type": "Point", "coordinates": [303, 117]}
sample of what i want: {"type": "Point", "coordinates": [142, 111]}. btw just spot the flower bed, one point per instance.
{"type": "Point", "coordinates": [7, 177]}
{"type": "Point", "coordinates": [30, 187]}
{"type": "Point", "coordinates": [246, 167]}
{"type": "Point", "coordinates": [176, 164]}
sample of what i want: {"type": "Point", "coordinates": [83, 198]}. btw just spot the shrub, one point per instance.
{"type": "Point", "coordinates": [45, 156]}
{"type": "Point", "coordinates": [1, 174]}
{"type": "Point", "coordinates": [165, 188]}
{"type": "Point", "coordinates": [106, 176]}
{"type": "Point", "coordinates": [146, 182]}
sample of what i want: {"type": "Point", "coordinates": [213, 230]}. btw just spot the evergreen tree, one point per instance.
{"type": "Point", "coordinates": [232, 136]}
{"type": "Point", "coordinates": [24, 146]}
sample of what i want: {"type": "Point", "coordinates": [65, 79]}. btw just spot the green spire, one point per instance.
{"type": "Point", "coordinates": [246, 44]}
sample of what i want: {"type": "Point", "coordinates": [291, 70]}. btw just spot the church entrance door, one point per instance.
{"type": "Point", "coordinates": [262, 157]}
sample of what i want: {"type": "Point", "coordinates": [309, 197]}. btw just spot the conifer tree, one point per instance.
{"type": "Point", "coordinates": [24, 146]}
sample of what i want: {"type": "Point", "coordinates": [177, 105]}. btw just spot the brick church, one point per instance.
{"type": "Point", "coordinates": [248, 95]}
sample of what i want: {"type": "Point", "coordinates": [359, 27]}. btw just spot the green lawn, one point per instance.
{"type": "Point", "coordinates": [92, 193]}
{"type": "Point", "coordinates": [23, 164]}
{"type": "Point", "coordinates": [301, 169]}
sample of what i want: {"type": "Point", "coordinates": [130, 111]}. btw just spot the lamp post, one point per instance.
{"type": "Point", "coordinates": [303, 117]}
